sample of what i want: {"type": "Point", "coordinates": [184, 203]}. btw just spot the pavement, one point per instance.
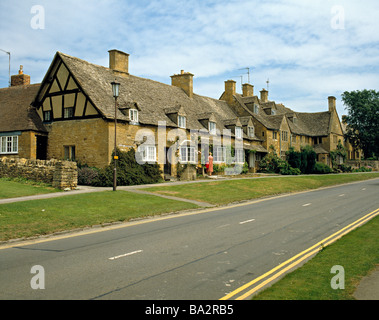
{"type": "Point", "coordinates": [367, 289]}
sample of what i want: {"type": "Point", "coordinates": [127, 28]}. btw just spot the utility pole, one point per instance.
{"type": "Point", "coordinates": [9, 54]}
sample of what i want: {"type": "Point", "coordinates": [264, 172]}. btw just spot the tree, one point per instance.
{"type": "Point", "coordinates": [363, 120]}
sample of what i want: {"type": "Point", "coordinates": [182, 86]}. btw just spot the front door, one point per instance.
{"type": "Point", "coordinates": [42, 147]}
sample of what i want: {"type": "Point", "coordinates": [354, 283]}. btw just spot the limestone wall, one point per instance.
{"type": "Point", "coordinates": [60, 174]}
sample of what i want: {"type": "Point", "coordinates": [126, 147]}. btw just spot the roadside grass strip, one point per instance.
{"type": "Point", "coordinates": [249, 289]}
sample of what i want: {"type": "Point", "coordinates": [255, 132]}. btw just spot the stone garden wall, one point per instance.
{"type": "Point", "coordinates": [60, 174]}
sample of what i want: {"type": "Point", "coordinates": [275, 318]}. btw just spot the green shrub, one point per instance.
{"type": "Point", "coordinates": [272, 163]}
{"type": "Point", "coordinates": [322, 168]}
{"type": "Point", "coordinates": [129, 171]}
{"type": "Point", "coordinates": [87, 175]}
{"type": "Point", "coordinates": [363, 169]}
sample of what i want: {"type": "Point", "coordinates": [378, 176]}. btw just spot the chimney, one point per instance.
{"type": "Point", "coordinates": [184, 80]}
{"type": "Point", "coordinates": [20, 79]}
{"type": "Point", "coordinates": [264, 95]}
{"type": "Point", "coordinates": [119, 61]}
{"type": "Point", "coordinates": [247, 90]}
{"type": "Point", "coordinates": [230, 91]}
{"type": "Point", "coordinates": [332, 103]}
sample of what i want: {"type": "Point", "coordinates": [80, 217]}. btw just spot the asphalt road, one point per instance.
{"type": "Point", "coordinates": [197, 255]}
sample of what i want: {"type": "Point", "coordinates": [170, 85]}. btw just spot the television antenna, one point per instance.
{"type": "Point", "coordinates": [268, 82]}
{"type": "Point", "coordinates": [9, 54]}
{"type": "Point", "coordinates": [248, 73]}
{"type": "Point", "coordinates": [241, 76]}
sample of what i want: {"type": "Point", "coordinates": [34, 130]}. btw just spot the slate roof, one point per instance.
{"type": "Point", "coordinates": [16, 112]}
{"type": "Point", "coordinates": [309, 124]}
{"type": "Point", "coordinates": [153, 98]}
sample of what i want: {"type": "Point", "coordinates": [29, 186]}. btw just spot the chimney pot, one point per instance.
{"type": "Point", "coordinates": [20, 79]}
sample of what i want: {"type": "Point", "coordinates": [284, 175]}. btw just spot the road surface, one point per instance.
{"type": "Point", "coordinates": [204, 254]}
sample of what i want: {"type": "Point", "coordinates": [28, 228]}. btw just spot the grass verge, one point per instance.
{"type": "Point", "coordinates": [40, 217]}
{"type": "Point", "coordinates": [227, 191]}
{"type": "Point", "coordinates": [13, 188]}
{"type": "Point", "coordinates": [356, 252]}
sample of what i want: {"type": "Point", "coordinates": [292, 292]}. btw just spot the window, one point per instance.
{"type": "Point", "coordinates": [273, 112]}
{"type": "Point", "coordinates": [284, 136]}
{"type": "Point", "coordinates": [187, 154]}
{"type": "Point", "coordinates": [219, 154]}
{"type": "Point", "coordinates": [239, 155]}
{"type": "Point", "coordinates": [256, 108]}
{"type": "Point", "coordinates": [47, 116]}
{"type": "Point", "coordinates": [9, 144]}
{"type": "Point", "coordinates": [212, 127]}
{"type": "Point", "coordinates": [238, 132]}
{"type": "Point", "coordinates": [149, 153]}
{"type": "Point", "coordinates": [69, 153]}
{"type": "Point", "coordinates": [294, 138]}
{"type": "Point", "coordinates": [68, 112]}
{"type": "Point", "coordinates": [274, 135]}
{"type": "Point", "coordinates": [181, 121]}
{"type": "Point", "coordinates": [250, 132]}
{"type": "Point", "coordinates": [133, 115]}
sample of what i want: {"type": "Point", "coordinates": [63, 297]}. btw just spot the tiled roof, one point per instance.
{"type": "Point", "coordinates": [16, 113]}
{"type": "Point", "coordinates": [153, 98]}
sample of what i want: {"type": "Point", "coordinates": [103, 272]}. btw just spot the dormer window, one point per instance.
{"type": "Point", "coordinates": [238, 132]}
{"type": "Point", "coordinates": [250, 132]}
{"type": "Point", "coordinates": [256, 108]}
{"type": "Point", "coordinates": [133, 115]}
{"type": "Point", "coordinates": [182, 122]}
{"type": "Point", "coordinates": [273, 112]}
{"type": "Point", "coordinates": [212, 127]}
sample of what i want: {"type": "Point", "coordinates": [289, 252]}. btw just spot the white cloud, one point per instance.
{"type": "Point", "coordinates": [292, 42]}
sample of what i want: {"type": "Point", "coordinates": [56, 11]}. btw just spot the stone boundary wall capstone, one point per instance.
{"type": "Point", "coordinates": [60, 174]}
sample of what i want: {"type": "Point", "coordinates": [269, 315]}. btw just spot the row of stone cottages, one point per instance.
{"type": "Point", "coordinates": [70, 116]}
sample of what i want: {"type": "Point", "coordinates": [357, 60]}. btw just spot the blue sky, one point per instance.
{"type": "Point", "coordinates": [308, 50]}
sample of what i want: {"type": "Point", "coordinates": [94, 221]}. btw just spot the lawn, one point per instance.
{"type": "Point", "coordinates": [227, 191]}
{"type": "Point", "coordinates": [40, 217]}
{"type": "Point", "coordinates": [356, 252]}
{"type": "Point", "coordinates": [13, 188]}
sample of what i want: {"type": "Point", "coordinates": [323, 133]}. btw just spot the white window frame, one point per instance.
{"type": "Point", "coordinates": [219, 154]}
{"type": "Point", "coordinates": [256, 108]}
{"type": "Point", "coordinates": [187, 154]}
{"type": "Point", "coordinates": [238, 132]}
{"type": "Point", "coordinates": [148, 152]}
{"type": "Point", "coordinates": [182, 122]}
{"type": "Point", "coordinates": [212, 127]}
{"type": "Point", "coordinates": [9, 145]}
{"type": "Point", "coordinates": [133, 115]}
{"type": "Point", "coordinates": [239, 156]}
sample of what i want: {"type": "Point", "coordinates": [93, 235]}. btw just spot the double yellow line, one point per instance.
{"type": "Point", "coordinates": [250, 288]}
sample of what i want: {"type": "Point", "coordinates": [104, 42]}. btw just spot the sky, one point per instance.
{"type": "Point", "coordinates": [307, 50]}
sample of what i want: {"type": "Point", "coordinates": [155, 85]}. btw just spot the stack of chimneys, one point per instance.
{"type": "Point", "coordinates": [20, 79]}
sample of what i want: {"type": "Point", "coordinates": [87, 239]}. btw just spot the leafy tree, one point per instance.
{"type": "Point", "coordinates": [363, 120]}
